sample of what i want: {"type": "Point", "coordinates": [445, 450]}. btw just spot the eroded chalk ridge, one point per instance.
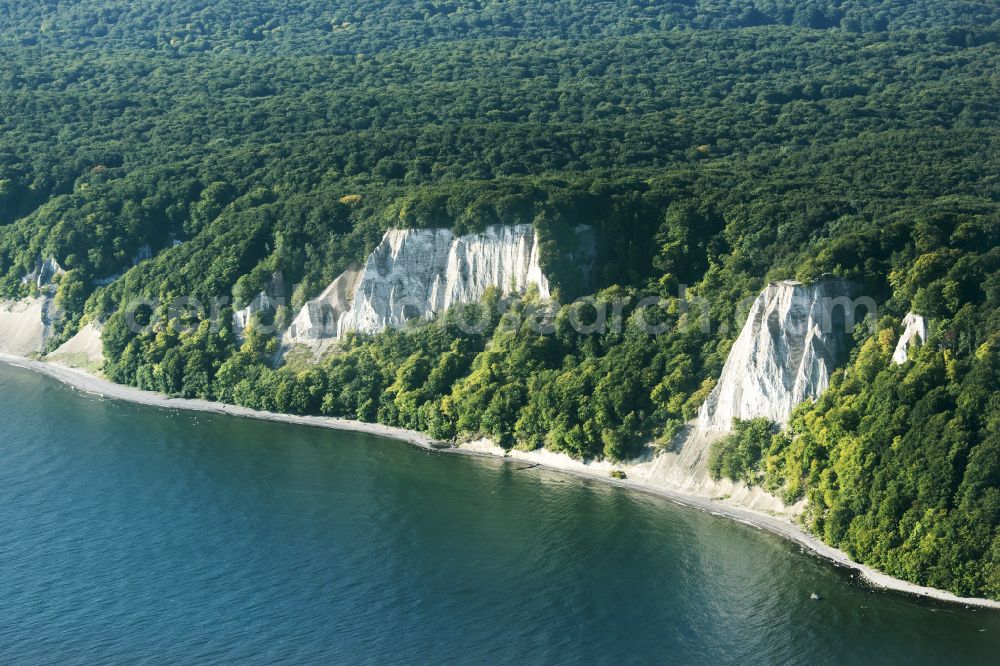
{"type": "Point", "coordinates": [794, 338]}
{"type": "Point", "coordinates": [419, 274]}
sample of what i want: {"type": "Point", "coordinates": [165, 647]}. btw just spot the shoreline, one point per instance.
{"type": "Point", "coordinates": [89, 383]}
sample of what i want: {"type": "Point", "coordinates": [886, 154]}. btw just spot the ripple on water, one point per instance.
{"type": "Point", "coordinates": [128, 533]}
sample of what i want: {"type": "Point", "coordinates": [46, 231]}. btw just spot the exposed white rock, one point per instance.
{"type": "Point", "coordinates": [261, 304]}
{"type": "Point", "coordinates": [914, 334]}
{"type": "Point", "coordinates": [264, 303]}
{"type": "Point", "coordinates": [46, 271]}
{"type": "Point", "coordinates": [26, 325]}
{"type": "Point", "coordinates": [793, 340]}
{"type": "Point", "coordinates": [418, 274]}
{"type": "Point", "coordinates": [319, 319]}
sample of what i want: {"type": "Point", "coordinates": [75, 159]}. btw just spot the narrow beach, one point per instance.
{"type": "Point", "coordinates": [92, 384]}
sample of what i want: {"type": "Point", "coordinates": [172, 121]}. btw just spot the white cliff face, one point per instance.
{"type": "Point", "coordinates": [266, 302]}
{"type": "Point", "coordinates": [791, 343]}
{"type": "Point", "coordinates": [417, 274]}
{"type": "Point", "coordinates": [319, 319]}
{"type": "Point", "coordinates": [914, 334]}
{"type": "Point", "coordinates": [420, 273]}
{"type": "Point", "coordinates": [794, 338]}
{"type": "Point", "coordinates": [26, 325]}
{"type": "Point", "coordinates": [503, 257]}
{"type": "Point", "coordinates": [261, 304]}
{"type": "Point", "coordinates": [44, 274]}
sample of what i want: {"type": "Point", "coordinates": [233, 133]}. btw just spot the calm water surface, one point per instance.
{"type": "Point", "coordinates": [129, 533]}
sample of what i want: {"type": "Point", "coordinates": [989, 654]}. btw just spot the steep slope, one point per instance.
{"type": "Point", "coordinates": [914, 334]}
{"type": "Point", "coordinates": [794, 338]}
{"type": "Point", "coordinates": [22, 326]}
{"type": "Point", "coordinates": [265, 303]}
{"type": "Point", "coordinates": [84, 350]}
{"type": "Point", "coordinates": [25, 325]}
{"type": "Point", "coordinates": [792, 341]}
{"type": "Point", "coordinates": [419, 273]}
{"type": "Point", "coordinates": [319, 319]}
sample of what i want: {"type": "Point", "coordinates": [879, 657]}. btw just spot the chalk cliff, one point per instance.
{"type": "Point", "coordinates": [26, 325]}
{"type": "Point", "coordinates": [793, 340]}
{"type": "Point", "coordinates": [45, 273]}
{"type": "Point", "coordinates": [319, 319]}
{"type": "Point", "coordinates": [265, 303]}
{"type": "Point", "coordinates": [914, 334]}
{"type": "Point", "coordinates": [419, 273]}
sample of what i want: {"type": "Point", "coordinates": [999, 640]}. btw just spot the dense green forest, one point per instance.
{"type": "Point", "coordinates": [364, 26]}
{"type": "Point", "coordinates": [715, 144]}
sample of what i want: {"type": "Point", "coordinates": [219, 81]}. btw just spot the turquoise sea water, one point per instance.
{"type": "Point", "coordinates": [135, 534]}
